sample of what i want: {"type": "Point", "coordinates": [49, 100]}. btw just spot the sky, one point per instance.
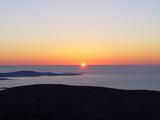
{"type": "Point", "coordinates": [68, 32]}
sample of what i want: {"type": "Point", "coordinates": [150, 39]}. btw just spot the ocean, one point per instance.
{"type": "Point", "coordinates": [130, 77]}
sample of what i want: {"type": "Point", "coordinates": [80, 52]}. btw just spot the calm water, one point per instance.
{"type": "Point", "coordinates": [123, 77]}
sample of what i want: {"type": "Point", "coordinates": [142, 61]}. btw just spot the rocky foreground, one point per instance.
{"type": "Point", "coordinates": [62, 102]}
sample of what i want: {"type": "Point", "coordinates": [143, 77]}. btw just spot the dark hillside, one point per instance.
{"type": "Point", "coordinates": [62, 102]}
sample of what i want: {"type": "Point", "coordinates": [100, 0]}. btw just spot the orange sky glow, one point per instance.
{"type": "Point", "coordinates": [45, 32]}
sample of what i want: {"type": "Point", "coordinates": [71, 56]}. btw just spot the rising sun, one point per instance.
{"type": "Point", "coordinates": [83, 64]}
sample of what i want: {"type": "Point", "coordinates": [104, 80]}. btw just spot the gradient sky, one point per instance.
{"type": "Point", "coordinates": [48, 32]}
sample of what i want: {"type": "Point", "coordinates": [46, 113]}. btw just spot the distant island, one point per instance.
{"type": "Point", "coordinates": [62, 102]}
{"type": "Point", "coordinates": [5, 79]}
{"type": "Point", "coordinates": [34, 74]}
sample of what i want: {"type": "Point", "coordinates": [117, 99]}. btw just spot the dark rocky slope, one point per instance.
{"type": "Point", "coordinates": [62, 102]}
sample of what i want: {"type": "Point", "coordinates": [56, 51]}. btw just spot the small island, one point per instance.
{"type": "Point", "coordinates": [5, 79]}
{"type": "Point", "coordinates": [35, 74]}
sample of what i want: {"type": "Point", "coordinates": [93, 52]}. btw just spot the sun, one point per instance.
{"type": "Point", "coordinates": [83, 64]}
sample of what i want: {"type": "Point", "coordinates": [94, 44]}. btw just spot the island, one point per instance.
{"type": "Point", "coordinates": [64, 102]}
{"type": "Point", "coordinates": [5, 79]}
{"type": "Point", "coordinates": [35, 74]}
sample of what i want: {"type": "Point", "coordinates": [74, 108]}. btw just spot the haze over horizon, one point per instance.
{"type": "Point", "coordinates": [64, 32]}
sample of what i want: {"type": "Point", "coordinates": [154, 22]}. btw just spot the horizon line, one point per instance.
{"type": "Point", "coordinates": [19, 65]}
